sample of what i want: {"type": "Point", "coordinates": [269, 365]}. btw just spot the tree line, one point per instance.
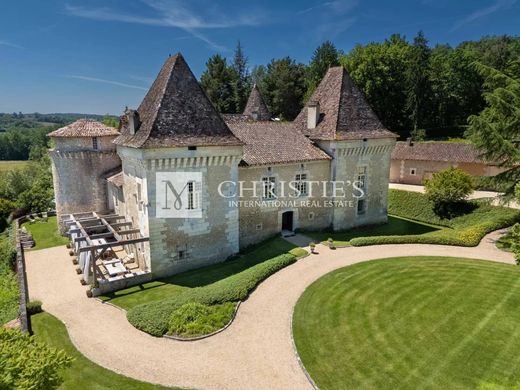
{"type": "Point", "coordinates": [413, 87]}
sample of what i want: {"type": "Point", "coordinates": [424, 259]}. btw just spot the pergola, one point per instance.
{"type": "Point", "coordinates": [94, 234]}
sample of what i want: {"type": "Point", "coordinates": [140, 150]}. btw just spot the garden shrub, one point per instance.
{"type": "Point", "coordinates": [447, 189]}
{"type": "Point", "coordinates": [34, 307]}
{"type": "Point", "coordinates": [27, 363]}
{"type": "Point", "coordinates": [153, 317]}
{"type": "Point", "coordinates": [196, 319]}
{"type": "Point", "coordinates": [9, 291]}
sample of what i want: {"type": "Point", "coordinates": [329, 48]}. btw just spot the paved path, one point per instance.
{"type": "Point", "coordinates": [475, 195]}
{"type": "Point", "coordinates": [255, 352]}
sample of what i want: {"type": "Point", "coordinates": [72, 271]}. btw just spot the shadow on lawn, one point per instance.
{"type": "Point", "coordinates": [203, 276]}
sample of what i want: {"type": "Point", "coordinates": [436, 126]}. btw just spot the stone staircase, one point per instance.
{"type": "Point", "coordinates": [26, 239]}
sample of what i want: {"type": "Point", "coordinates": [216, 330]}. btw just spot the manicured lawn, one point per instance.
{"type": "Point", "coordinates": [195, 319]}
{"type": "Point", "coordinates": [45, 234]}
{"type": "Point", "coordinates": [395, 226]}
{"type": "Point", "coordinates": [82, 374]}
{"type": "Point", "coordinates": [412, 322]}
{"type": "Point", "coordinates": [9, 165]}
{"type": "Point", "coordinates": [168, 288]}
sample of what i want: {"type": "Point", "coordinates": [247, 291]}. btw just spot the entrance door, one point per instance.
{"type": "Point", "coordinates": [287, 220]}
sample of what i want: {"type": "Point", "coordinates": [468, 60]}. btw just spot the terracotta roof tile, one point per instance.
{"type": "Point", "coordinates": [436, 151]}
{"type": "Point", "coordinates": [177, 112]}
{"type": "Point", "coordinates": [344, 112]}
{"type": "Point", "coordinates": [256, 104]}
{"type": "Point", "coordinates": [85, 128]}
{"type": "Point", "coordinates": [270, 142]}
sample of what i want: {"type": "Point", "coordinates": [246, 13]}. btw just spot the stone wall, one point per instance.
{"type": "Point", "coordinates": [415, 171]}
{"type": "Point", "coordinates": [259, 223]}
{"type": "Point", "coordinates": [350, 157]}
{"type": "Point", "coordinates": [181, 244]}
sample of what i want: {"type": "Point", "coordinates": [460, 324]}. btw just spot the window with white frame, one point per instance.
{"type": "Point", "coordinates": [95, 143]}
{"type": "Point", "coordinates": [194, 189]}
{"type": "Point", "coordinates": [269, 187]}
{"type": "Point", "coordinates": [362, 178]}
{"type": "Point", "coordinates": [301, 184]}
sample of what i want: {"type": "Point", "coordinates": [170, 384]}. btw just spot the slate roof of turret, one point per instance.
{"type": "Point", "coordinates": [177, 112]}
{"type": "Point", "coordinates": [85, 128]}
{"type": "Point", "coordinates": [344, 112]}
{"type": "Point", "coordinates": [256, 103]}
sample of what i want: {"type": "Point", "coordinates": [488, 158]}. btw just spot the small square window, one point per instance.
{"type": "Point", "coordinates": [94, 143]}
{"type": "Point", "coordinates": [311, 216]}
{"type": "Point", "coordinates": [192, 148]}
{"type": "Point", "coordinates": [181, 255]}
{"type": "Point", "coordinates": [259, 226]}
{"type": "Point", "coordinates": [413, 171]}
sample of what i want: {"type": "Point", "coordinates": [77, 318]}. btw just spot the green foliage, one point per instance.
{"type": "Point", "coordinates": [217, 81]}
{"type": "Point", "coordinates": [515, 241]}
{"type": "Point", "coordinates": [496, 130]}
{"type": "Point", "coordinates": [196, 319]}
{"type": "Point", "coordinates": [153, 317]}
{"type": "Point", "coordinates": [111, 121]}
{"type": "Point", "coordinates": [467, 229]}
{"type": "Point", "coordinates": [29, 364]}
{"type": "Point", "coordinates": [325, 56]}
{"type": "Point", "coordinates": [283, 87]}
{"type": "Point", "coordinates": [447, 189]}
{"type": "Point", "coordinates": [9, 292]}
{"type": "Point", "coordinates": [34, 307]}
{"type": "Point", "coordinates": [241, 83]}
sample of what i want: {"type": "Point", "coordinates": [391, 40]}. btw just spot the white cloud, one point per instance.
{"type": "Point", "coordinates": [10, 44]}
{"type": "Point", "coordinates": [174, 13]}
{"type": "Point", "coordinates": [483, 12]}
{"type": "Point", "coordinates": [104, 81]}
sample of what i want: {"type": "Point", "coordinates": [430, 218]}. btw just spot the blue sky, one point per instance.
{"type": "Point", "coordinates": [99, 56]}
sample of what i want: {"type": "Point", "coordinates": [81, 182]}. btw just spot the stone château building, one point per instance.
{"type": "Point", "coordinates": [336, 137]}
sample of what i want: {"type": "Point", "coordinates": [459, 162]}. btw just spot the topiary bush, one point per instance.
{"type": "Point", "coordinates": [153, 317]}
{"type": "Point", "coordinates": [27, 363]}
{"type": "Point", "coordinates": [196, 319]}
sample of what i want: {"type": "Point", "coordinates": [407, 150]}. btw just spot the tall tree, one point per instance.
{"type": "Point", "coordinates": [496, 130]}
{"type": "Point", "coordinates": [418, 83]}
{"type": "Point", "coordinates": [217, 81]}
{"type": "Point", "coordinates": [378, 69]}
{"type": "Point", "coordinates": [241, 79]}
{"type": "Point", "coordinates": [284, 87]}
{"type": "Point", "coordinates": [325, 56]}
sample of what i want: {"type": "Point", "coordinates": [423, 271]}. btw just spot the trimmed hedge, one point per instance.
{"type": "Point", "coordinates": [465, 230]}
{"type": "Point", "coordinates": [195, 319]}
{"type": "Point", "coordinates": [9, 291]}
{"type": "Point", "coordinates": [153, 317]}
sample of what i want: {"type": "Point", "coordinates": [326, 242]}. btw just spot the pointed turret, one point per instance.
{"type": "Point", "coordinates": [175, 112]}
{"type": "Point", "coordinates": [338, 111]}
{"type": "Point", "coordinates": [256, 108]}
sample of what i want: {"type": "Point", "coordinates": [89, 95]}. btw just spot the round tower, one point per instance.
{"type": "Point", "coordinates": [82, 158]}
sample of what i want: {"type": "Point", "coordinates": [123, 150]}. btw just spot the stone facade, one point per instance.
{"type": "Point", "coordinates": [78, 170]}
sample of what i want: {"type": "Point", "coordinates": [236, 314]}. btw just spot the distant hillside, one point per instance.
{"type": "Point", "coordinates": [34, 120]}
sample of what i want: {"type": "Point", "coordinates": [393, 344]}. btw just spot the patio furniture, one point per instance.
{"type": "Point", "coordinates": [115, 267]}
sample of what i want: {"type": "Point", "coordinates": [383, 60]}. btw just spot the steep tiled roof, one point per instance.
{"type": "Point", "coordinates": [436, 151]}
{"type": "Point", "coordinates": [85, 128]}
{"type": "Point", "coordinates": [177, 112]}
{"type": "Point", "coordinates": [269, 142]}
{"type": "Point", "coordinates": [255, 103]}
{"type": "Point", "coordinates": [344, 112]}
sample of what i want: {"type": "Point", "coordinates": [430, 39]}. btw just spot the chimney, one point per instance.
{"type": "Point", "coordinates": [132, 118]}
{"type": "Point", "coordinates": [313, 114]}
{"type": "Point", "coordinates": [409, 141]}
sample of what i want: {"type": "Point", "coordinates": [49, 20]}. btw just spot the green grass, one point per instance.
{"type": "Point", "coordinates": [11, 164]}
{"type": "Point", "coordinates": [45, 234]}
{"type": "Point", "coordinates": [505, 242]}
{"type": "Point", "coordinates": [177, 284]}
{"type": "Point", "coordinates": [412, 323]}
{"type": "Point", "coordinates": [195, 319]}
{"type": "Point", "coordinates": [83, 374]}
{"type": "Point", "coordinates": [395, 226]}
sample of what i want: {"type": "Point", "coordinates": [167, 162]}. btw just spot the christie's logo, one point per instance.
{"type": "Point", "coordinates": [179, 194]}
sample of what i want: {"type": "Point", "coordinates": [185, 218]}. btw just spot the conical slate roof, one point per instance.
{"type": "Point", "coordinates": [177, 112]}
{"type": "Point", "coordinates": [255, 103]}
{"type": "Point", "coordinates": [85, 128]}
{"type": "Point", "coordinates": [344, 112]}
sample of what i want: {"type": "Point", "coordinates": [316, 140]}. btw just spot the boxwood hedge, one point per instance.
{"type": "Point", "coordinates": [153, 317]}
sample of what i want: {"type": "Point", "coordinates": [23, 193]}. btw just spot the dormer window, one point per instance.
{"type": "Point", "coordinates": [95, 143]}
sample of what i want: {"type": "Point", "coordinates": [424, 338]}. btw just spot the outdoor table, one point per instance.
{"type": "Point", "coordinates": [115, 267]}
